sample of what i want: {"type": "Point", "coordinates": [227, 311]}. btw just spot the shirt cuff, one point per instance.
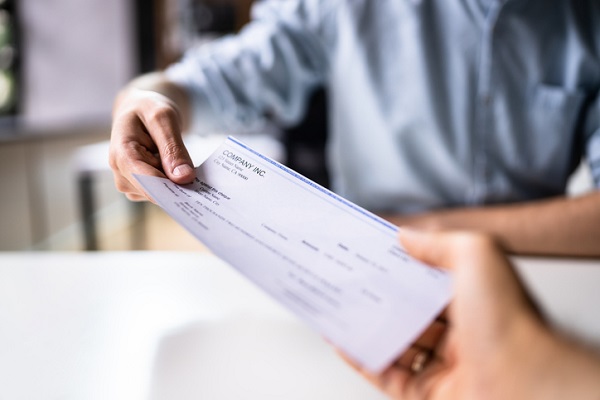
{"type": "Point", "coordinates": [593, 156]}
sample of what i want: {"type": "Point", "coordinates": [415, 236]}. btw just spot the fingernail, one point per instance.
{"type": "Point", "coordinates": [182, 170]}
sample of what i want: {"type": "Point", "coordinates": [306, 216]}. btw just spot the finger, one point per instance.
{"type": "Point", "coordinates": [390, 381]}
{"type": "Point", "coordinates": [486, 282]}
{"type": "Point", "coordinates": [131, 192]}
{"type": "Point", "coordinates": [136, 197]}
{"type": "Point", "coordinates": [444, 316]}
{"type": "Point", "coordinates": [425, 246]}
{"type": "Point", "coordinates": [132, 151]}
{"type": "Point", "coordinates": [444, 349]}
{"type": "Point", "coordinates": [429, 383]}
{"type": "Point", "coordinates": [348, 360]}
{"type": "Point", "coordinates": [432, 335]}
{"type": "Point", "coordinates": [136, 160]}
{"type": "Point", "coordinates": [163, 123]}
{"type": "Point", "coordinates": [398, 382]}
{"type": "Point", "coordinates": [401, 383]}
{"type": "Point", "coordinates": [393, 382]}
{"type": "Point", "coordinates": [413, 355]}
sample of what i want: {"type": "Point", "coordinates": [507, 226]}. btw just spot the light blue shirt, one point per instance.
{"type": "Point", "coordinates": [432, 103]}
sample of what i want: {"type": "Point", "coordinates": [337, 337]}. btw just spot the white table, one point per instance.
{"type": "Point", "coordinates": [158, 325]}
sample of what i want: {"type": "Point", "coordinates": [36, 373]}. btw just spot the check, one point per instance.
{"type": "Point", "coordinates": [335, 265]}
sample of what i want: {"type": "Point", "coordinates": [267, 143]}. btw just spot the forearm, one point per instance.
{"type": "Point", "coordinates": [560, 226]}
{"type": "Point", "coordinates": [159, 83]}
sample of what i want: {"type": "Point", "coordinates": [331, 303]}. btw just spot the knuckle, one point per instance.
{"type": "Point", "coordinates": [163, 115]}
{"type": "Point", "coordinates": [171, 150]}
{"type": "Point", "coordinates": [131, 196]}
{"type": "Point", "coordinates": [113, 159]}
{"type": "Point", "coordinates": [112, 162]}
{"type": "Point", "coordinates": [122, 186]}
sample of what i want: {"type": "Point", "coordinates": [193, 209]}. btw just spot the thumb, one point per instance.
{"type": "Point", "coordinates": [424, 246]}
{"type": "Point", "coordinates": [175, 159]}
{"type": "Point", "coordinates": [483, 274]}
{"type": "Point", "coordinates": [452, 250]}
{"type": "Point", "coordinates": [163, 123]}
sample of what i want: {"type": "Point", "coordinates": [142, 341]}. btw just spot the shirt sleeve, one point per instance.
{"type": "Point", "coordinates": [270, 67]}
{"type": "Point", "coordinates": [592, 128]}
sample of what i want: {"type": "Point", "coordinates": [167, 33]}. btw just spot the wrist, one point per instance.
{"type": "Point", "coordinates": [544, 365]}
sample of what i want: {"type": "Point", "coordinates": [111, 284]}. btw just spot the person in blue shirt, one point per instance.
{"type": "Point", "coordinates": [443, 114]}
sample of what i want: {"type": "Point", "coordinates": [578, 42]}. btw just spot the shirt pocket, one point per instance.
{"type": "Point", "coordinates": [550, 130]}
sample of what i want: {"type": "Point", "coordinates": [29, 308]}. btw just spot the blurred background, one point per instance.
{"type": "Point", "coordinates": [61, 64]}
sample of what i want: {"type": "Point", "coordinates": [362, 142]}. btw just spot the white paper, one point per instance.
{"type": "Point", "coordinates": [335, 265]}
